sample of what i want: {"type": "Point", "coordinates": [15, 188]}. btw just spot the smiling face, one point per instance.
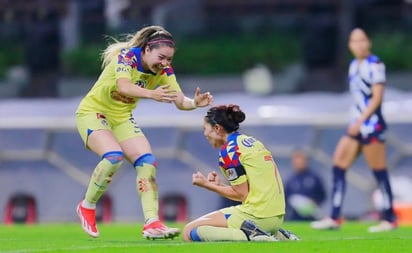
{"type": "Point", "coordinates": [214, 134]}
{"type": "Point", "coordinates": [154, 60]}
{"type": "Point", "coordinates": [359, 44]}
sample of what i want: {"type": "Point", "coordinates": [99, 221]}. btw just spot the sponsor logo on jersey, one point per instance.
{"type": "Point", "coordinates": [248, 142]}
{"type": "Point", "coordinates": [122, 69]}
{"type": "Point", "coordinates": [124, 99]}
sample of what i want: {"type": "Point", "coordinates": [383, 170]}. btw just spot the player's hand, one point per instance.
{"type": "Point", "coordinates": [199, 179]}
{"type": "Point", "coordinates": [354, 129]}
{"type": "Point", "coordinates": [163, 94]}
{"type": "Point", "coordinates": [213, 178]}
{"type": "Point", "coordinates": [203, 99]}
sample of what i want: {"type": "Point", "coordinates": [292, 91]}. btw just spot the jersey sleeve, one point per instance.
{"type": "Point", "coordinates": [378, 74]}
{"type": "Point", "coordinates": [235, 175]}
{"type": "Point", "coordinates": [231, 166]}
{"type": "Point", "coordinates": [168, 77]}
{"type": "Point", "coordinates": [123, 64]}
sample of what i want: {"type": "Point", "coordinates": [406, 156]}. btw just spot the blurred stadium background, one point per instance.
{"type": "Point", "coordinates": [293, 50]}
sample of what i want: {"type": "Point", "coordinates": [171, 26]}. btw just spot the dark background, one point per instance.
{"type": "Point", "coordinates": [45, 42]}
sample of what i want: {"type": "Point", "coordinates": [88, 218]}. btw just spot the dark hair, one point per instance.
{"type": "Point", "coordinates": [228, 116]}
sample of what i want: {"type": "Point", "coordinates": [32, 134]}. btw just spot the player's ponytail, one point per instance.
{"type": "Point", "coordinates": [228, 116]}
{"type": "Point", "coordinates": [235, 114]}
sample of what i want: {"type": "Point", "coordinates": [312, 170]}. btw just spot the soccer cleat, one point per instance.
{"type": "Point", "coordinates": [286, 235]}
{"type": "Point", "coordinates": [157, 230]}
{"type": "Point", "coordinates": [383, 226]}
{"type": "Point", "coordinates": [326, 224]}
{"type": "Point", "coordinates": [253, 233]}
{"type": "Point", "coordinates": [88, 220]}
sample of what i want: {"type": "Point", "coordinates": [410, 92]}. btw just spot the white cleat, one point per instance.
{"type": "Point", "coordinates": [326, 224]}
{"type": "Point", "coordinates": [383, 226]}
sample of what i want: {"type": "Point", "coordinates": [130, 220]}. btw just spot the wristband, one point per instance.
{"type": "Point", "coordinates": [193, 101]}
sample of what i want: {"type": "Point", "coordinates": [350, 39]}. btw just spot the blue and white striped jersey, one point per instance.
{"type": "Point", "coordinates": [362, 76]}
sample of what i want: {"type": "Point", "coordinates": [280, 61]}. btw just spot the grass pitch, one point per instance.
{"type": "Point", "coordinates": [117, 238]}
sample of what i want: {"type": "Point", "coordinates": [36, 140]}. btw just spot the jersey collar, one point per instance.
{"type": "Point", "coordinates": [233, 136]}
{"type": "Point", "coordinates": [137, 52]}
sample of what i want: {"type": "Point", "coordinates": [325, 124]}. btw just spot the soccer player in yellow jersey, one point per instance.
{"type": "Point", "coordinates": [138, 68]}
{"type": "Point", "coordinates": [254, 181]}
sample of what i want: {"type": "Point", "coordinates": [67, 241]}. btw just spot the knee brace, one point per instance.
{"type": "Point", "coordinates": [146, 158]}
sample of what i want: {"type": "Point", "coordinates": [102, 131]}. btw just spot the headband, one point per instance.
{"type": "Point", "coordinates": [161, 41]}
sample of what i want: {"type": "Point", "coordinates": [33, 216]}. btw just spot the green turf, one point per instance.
{"type": "Point", "coordinates": [116, 238]}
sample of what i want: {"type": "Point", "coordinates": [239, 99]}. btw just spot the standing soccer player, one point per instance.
{"type": "Point", "coordinates": [138, 68]}
{"type": "Point", "coordinates": [254, 180]}
{"type": "Point", "coordinates": [365, 133]}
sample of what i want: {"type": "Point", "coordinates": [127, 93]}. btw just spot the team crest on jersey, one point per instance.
{"type": "Point", "coordinates": [141, 83]}
{"type": "Point", "coordinates": [104, 122]}
{"type": "Point", "coordinates": [231, 174]}
{"type": "Point", "coordinates": [127, 58]}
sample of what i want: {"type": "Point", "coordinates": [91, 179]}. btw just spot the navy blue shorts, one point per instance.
{"type": "Point", "coordinates": [377, 136]}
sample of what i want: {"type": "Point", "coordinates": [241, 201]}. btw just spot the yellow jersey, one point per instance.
{"type": "Point", "coordinates": [104, 97]}
{"type": "Point", "coordinates": [245, 159]}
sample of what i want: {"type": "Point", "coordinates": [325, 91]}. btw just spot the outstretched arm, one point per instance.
{"type": "Point", "coordinates": [160, 94]}
{"type": "Point", "coordinates": [199, 100]}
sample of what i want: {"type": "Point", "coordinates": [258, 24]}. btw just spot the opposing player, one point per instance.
{"type": "Point", "coordinates": [139, 68]}
{"type": "Point", "coordinates": [254, 180]}
{"type": "Point", "coordinates": [365, 133]}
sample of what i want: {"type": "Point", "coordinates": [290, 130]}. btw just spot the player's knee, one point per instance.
{"type": "Point", "coordinates": [145, 159]}
{"type": "Point", "coordinates": [114, 157]}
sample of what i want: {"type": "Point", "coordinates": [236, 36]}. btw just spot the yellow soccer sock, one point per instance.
{"type": "Point", "coordinates": [146, 187]}
{"type": "Point", "coordinates": [101, 177]}
{"type": "Point", "coordinates": [211, 234]}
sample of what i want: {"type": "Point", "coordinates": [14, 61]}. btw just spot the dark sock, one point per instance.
{"type": "Point", "coordinates": [338, 191]}
{"type": "Point", "coordinates": [384, 186]}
